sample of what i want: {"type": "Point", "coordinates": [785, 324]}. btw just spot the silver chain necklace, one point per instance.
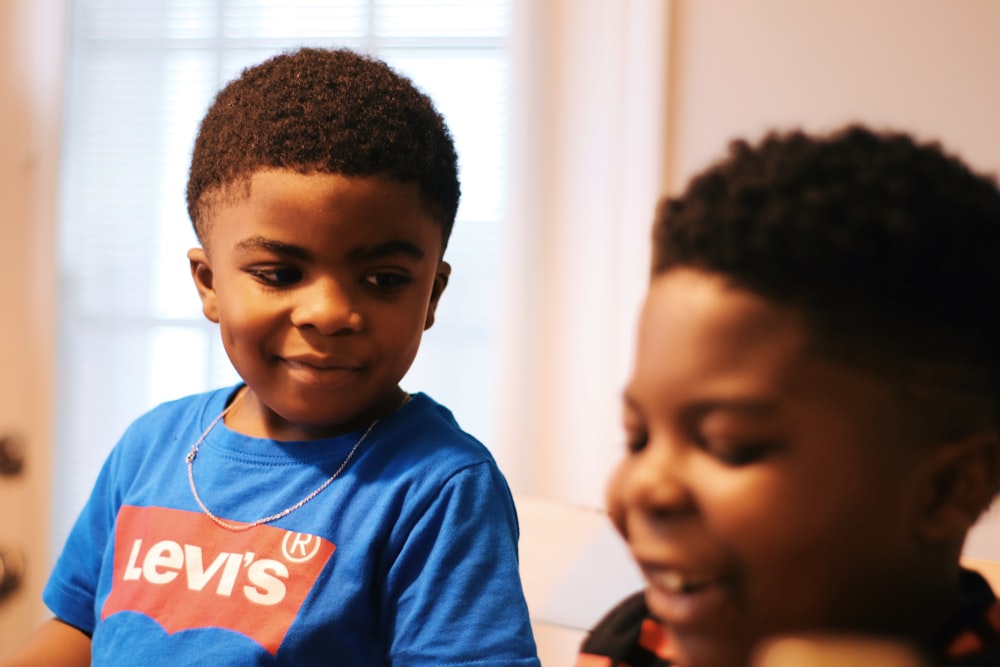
{"type": "Point", "coordinates": [239, 527]}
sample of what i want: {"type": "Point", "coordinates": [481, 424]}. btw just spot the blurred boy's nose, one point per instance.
{"type": "Point", "coordinates": [326, 306]}
{"type": "Point", "coordinates": [649, 486]}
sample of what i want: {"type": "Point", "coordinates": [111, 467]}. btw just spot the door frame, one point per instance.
{"type": "Point", "coordinates": [31, 63]}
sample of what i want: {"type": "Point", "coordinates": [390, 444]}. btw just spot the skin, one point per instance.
{"type": "Point", "coordinates": [767, 491]}
{"type": "Point", "coordinates": [322, 286]}
{"type": "Point", "coordinates": [54, 644]}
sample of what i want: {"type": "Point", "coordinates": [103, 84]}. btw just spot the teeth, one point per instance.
{"type": "Point", "coordinates": [673, 581]}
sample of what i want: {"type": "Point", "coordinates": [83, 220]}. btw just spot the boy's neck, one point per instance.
{"type": "Point", "coordinates": [254, 418]}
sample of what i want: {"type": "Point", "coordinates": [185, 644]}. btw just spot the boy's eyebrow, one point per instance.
{"type": "Point", "coordinates": [387, 249]}
{"type": "Point", "coordinates": [377, 251]}
{"type": "Point", "coordinates": [263, 243]}
{"type": "Point", "coordinates": [700, 408]}
{"type": "Point", "coordinates": [750, 406]}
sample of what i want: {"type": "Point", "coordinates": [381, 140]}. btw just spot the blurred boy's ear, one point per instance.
{"type": "Point", "coordinates": [963, 479]}
{"type": "Point", "coordinates": [201, 271]}
{"type": "Point", "coordinates": [440, 282]}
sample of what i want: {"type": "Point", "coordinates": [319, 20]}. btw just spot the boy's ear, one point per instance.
{"type": "Point", "coordinates": [201, 271]}
{"type": "Point", "coordinates": [963, 480]}
{"type": "Point", "coordinates": [440, 282]}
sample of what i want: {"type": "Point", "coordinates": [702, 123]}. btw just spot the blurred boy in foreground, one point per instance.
{"type": "Point", "coordinates": [812, 420]}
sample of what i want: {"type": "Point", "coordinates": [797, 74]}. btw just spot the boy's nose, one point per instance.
{"type": "Point", "coordinates": [328, 307]}
{"type": "Point", "coordinates": [653, 485]}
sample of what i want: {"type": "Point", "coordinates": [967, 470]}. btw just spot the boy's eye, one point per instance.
{"type": "Point", "coordinates": [636, 438]}
{"type": "Point", "coordinates": [738, 453]}
{"type": "Point", "coordinates": [386, 280]}
{"type": "Point", "coordinates": [276, 276]}
{"type": "Point", "coordinates": [637, 443]}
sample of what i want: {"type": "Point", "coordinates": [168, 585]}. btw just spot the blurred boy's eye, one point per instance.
{"type": "Point", "coordinates": [276, 276]}
{"type": "Point", "coordinates": [738, 452]}
{"type": "Point", "coordinates": [636, 444]}
{"type": "Point", "coordinates": [636, 436]}
{"type": "Point", "coordinates": [386, 280]}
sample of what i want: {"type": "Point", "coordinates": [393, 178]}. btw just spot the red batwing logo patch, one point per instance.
{"type": "Point", "coordinates": [182, 570]}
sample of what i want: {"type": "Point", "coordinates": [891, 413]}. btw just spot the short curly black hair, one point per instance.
{"type": "Point", "coordinates": [330, 111]}
{"type": "Point", "coordinates": [888, 247]}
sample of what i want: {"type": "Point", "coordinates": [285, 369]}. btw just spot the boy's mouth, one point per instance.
{"type": "Point", "coordinates": [675, 582]}
{"type": "Point", "coordinates": [322, 364]}
{"type": "Point", "coordinates": [686, 599]}
{"type": "Point", "coordinates": [323, 372]}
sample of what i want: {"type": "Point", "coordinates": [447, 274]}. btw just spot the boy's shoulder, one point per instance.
{"type": "Point", "coordinates": [424, 427]}
{"type": "Point", "coordinates": [421, 434]}
{"type": "Point", "coordinates": [192, 408]}
{"type": "Point", "coordinates": [175, 419]}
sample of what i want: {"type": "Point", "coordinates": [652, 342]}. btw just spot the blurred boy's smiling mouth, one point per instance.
{"type": "Point", "coordinates": [680, 598]}
{"type": "Point", "coordinates": [673, 581]}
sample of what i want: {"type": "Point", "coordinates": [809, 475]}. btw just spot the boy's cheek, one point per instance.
{"type": "Point", "coordinates": [614, 497]}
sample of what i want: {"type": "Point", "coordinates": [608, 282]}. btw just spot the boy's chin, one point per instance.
{"type": "Point", "coordinates": [705, 651]}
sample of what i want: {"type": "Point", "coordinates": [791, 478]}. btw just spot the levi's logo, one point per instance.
{"type": "Point", "coordinates": [182, 570]}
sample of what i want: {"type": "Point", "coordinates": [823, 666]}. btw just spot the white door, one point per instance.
{"type": "Point", "coordinates": [30, 56]}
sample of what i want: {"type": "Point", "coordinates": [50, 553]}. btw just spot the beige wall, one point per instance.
{"type": "Point", "coordinates": [30, 59]}
{"type": "Point", "coordinates": [741, 66]}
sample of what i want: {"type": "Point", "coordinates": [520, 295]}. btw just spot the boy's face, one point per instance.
{"type": "Point", "coordinates": [322, 286]}
{"type": "Point", "coordinates": [764, 490]}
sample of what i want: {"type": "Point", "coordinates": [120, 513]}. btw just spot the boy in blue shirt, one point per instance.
{"type": "Point", "coordinates": [812, 419]}
{"type": "Point", "coordinates": [314, 514]}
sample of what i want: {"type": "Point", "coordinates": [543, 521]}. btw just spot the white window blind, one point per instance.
{"type": "Point", "coordinates": [139, 78]}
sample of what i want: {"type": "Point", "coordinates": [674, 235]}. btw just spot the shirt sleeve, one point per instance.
{"type": "Point", "coordinates": [71, 590]}
{"type": "Point", "coordinates": [453, 593]}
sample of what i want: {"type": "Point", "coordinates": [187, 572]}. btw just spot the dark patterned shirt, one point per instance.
{"type": "Point", "coordinates": [629, 637]}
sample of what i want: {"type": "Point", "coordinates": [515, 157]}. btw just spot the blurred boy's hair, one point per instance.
{"type": "Point", "coordinates": [887, 247]}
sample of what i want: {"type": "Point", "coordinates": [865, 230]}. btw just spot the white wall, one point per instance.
{"type": "Point", "coordinates": [742, 66]}
{"type": "Point", "coordinates": [590, 80]}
